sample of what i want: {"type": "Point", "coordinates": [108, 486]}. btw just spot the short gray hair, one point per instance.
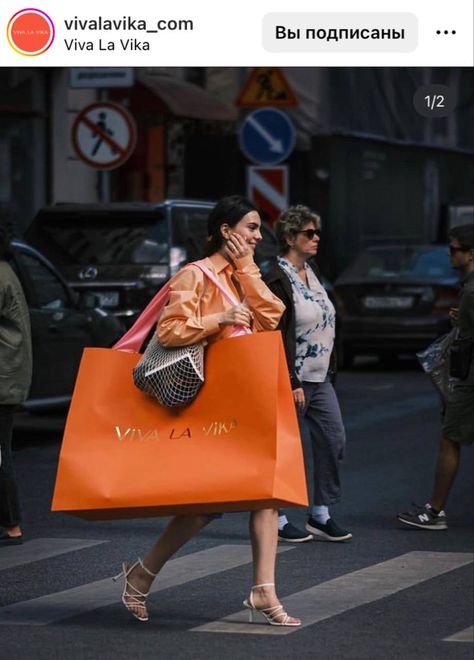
{"type": "Point", "coordinates": [293, 220]}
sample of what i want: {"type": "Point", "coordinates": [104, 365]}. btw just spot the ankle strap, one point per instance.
{"type": "Point", "coordinates": [265, 584]}
{"type": "Point", "coordinates": [147, 570]}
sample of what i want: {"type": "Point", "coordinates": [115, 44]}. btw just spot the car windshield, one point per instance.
{"type": "Point", "coordinates": [406, 262]}
{"type": "Point", "coordinates": [189, 229]}
{"type": "Point", "coordinates": [95, 239]}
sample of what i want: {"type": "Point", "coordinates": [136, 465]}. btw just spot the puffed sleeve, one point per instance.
{"type": "Point", "coordinates": [266, 307]}
{"type": "Point", "coordinates": [181, 322]}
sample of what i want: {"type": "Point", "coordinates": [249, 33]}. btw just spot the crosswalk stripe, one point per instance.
{"type": "Point", "coordinates": [71, 602]}
{"type": "Point", "coordinates": [466, 635]}
{"type": "Point", "coordinates": [346, 592]}
{"type": "Point", "coordinates": [36, 549]}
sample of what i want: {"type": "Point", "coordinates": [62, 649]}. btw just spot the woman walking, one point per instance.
{"type": "Point", "coordinates": [195, 311]}
{"type": "Point", "coordinates": [308, 328]}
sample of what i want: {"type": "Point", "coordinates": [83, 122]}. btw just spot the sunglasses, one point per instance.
{"type": "Point", "coordinates": [452, 249]}
{"type": "Point", "coordinates": [310, 233]}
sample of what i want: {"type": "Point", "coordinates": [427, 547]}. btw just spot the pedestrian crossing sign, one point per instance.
{"type": "Point", "coordinates": [266, 86]}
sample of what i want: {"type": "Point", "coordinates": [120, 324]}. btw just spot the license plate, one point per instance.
{"type": "Point", "coordinates": [108, 299]}
{"type": "Point", "coordinates": [388, 302]}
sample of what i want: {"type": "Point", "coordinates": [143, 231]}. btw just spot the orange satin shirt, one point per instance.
{"type": "Point", "coordinates": [195, 302]}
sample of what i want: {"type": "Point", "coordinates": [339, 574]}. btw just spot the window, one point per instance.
{"type": "Point", "coordinates": [407, 262]}
{"type": "Point", "coordinates": [189, 230]}
{"type": "Point", "coordinates": [49, 291]}
{"type": "Point", "coordinates": [104, 239]}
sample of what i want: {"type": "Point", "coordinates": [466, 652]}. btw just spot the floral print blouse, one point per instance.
{"type": "Point", "coordinates": [315, 318]}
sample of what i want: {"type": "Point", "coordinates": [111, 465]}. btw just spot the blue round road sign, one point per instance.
{"type": "Point", "coordinates": [267, 136]}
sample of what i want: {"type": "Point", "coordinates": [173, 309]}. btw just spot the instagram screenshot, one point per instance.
{"type": "Point", "coordinates": [236, 293]}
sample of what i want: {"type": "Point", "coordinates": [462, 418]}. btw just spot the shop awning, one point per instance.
{"type": "Point", "coordinates": [185, 99]}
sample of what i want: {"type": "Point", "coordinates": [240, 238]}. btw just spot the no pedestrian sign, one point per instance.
{"type": "Point", "coordinates": [104, 135]}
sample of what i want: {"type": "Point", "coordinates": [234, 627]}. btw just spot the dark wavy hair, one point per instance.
{"type": "Point", "coordinates": [464, 234]}
{"type": "Point", "coordinates": [228, 210]}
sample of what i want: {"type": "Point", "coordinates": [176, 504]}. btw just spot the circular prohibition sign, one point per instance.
{"type": "Point", "coordinates": [104, 135]}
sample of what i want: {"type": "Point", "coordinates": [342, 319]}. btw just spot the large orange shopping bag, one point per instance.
{"type": "Point", "coordinates": [234, 448]}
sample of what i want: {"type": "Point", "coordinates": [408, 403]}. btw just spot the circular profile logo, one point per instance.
{"type": "Point", "coordinates": [30, 32]}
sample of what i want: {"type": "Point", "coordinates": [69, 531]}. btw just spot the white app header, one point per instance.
{"type": "Point", "coordinates": [90, 33]}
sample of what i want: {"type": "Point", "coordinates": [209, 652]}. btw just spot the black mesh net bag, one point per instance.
{"type": "Point", "coordinates": [173, 376]}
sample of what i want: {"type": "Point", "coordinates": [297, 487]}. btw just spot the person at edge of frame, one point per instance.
{"type": "Point", "coordinates": [458, 414]}
{"type": "Point", "coordinates": [308, 329]}
{"type": "Point", "coordinates": [15, 380]}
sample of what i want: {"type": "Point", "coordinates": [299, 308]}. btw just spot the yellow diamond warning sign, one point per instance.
{"type": "Point", "coordinates": [266, 86]}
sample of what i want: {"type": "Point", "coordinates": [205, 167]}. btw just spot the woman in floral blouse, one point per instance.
{"type": "Point", "coordinates": [308, 328]}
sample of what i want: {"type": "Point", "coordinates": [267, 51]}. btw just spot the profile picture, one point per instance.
{"type": "Point", "coordinates": [30, 32]}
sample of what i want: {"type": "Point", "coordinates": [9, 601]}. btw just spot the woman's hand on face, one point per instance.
{"type": "Point", "coordinates": [237, 247]}
{"type": "Point", "coordinates": [237, 315]}
{"type": "Point", "coordinates": [298, 398]}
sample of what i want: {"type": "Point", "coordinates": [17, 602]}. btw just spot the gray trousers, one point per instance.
{"type": "Point", "coordinates": [324, 440]}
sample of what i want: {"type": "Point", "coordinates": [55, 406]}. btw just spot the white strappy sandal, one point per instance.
{"type": "Point", "coordinates": [132, 597]}
{"type": "Point", "coordinates": [275, 616]}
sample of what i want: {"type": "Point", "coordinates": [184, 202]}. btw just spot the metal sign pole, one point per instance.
{"type": "Point", "coordinates": [103, 182]}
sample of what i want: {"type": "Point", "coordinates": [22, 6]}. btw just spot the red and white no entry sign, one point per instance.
{"type": "Point", "coordinates": [104, 135]}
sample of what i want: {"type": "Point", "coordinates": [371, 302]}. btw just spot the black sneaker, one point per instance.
{"type": "Point", "coordinates": [292, 534]}
{"type": "Point", "coordinates": [424, 517]}
{"type": "Point", "coordinates": [330, 531]}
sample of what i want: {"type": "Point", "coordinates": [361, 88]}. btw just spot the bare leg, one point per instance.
{"type": "Point", "coordinates": [179, 530]}
{"type": "Point", "coordinates": [446, 470]}
{"type": "Point", "coordinates": [264, 536]}
{"type": "Point", "coordinates": [263, 527]}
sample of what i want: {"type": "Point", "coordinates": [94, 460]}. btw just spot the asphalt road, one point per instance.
{"type": "Point", "coordinates": [390, 593]}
